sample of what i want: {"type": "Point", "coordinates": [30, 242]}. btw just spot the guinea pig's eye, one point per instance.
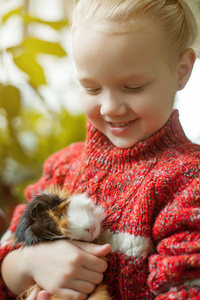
{"type": "Point", "coordinates": [60, 216]}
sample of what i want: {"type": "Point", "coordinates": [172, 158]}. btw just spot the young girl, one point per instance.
{"type": "Point", "coordinates": [132, 56]}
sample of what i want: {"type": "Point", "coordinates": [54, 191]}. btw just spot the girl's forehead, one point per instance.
{"type": "Point", "coordinates": [142, 32]}
{"type": "Point", "coordinates": [138, 24]}
{"type": "Point", "coordinates": [152, 28]}
{"type": "Point", "coordinates": [140, 48]}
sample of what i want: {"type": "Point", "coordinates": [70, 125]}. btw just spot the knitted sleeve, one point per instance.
{"type": "Point", "coordinates": [53, 174]}
{"type": "Point", "coordinates": [175, 268]}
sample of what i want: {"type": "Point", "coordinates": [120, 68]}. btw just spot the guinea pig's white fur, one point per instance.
{"type": "Point", "coordinates": [84, 218]}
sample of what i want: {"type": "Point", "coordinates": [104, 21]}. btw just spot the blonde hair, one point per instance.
{"type": "Point", "coordinates": [174, 16]}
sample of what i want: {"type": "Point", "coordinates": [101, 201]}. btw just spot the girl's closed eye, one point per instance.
{"type": "Point", "coordinates": [136, 89]}
{"type": "Point", "coordinates": [131, 89]}
{"type": "Point", "coordinates": [92, 91]}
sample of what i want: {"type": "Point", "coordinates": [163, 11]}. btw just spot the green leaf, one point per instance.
{"type": "Point", "coordinates": [16, 50]}
{"type": "Point", "coordinates": [35, 45]}
{"type": "Point", "coordinates": [57, 25]}
{"type": "Point", "coordinates": [30, 66]}
{"type": "Point", "coordinates": [16, 11]}
{"type": "Point", "coordinates": [10, 100]}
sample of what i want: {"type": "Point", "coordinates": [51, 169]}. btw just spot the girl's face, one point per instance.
{"type": "Point", "coordinates": [127, 84]}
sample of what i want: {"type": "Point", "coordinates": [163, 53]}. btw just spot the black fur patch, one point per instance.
{"type": "Point", "coordinates": [35, 224]}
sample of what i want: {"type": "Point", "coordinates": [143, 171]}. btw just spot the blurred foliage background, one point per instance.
{"type": "Point", "coordinates": [30, 129]}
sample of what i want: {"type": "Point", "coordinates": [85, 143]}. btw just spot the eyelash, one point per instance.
{"type": "Point", "coordinates": [127, 88]}
{"type": "Point", "coordinates": [92, 91]}
{"type": "Point", "coordinates": [135, 89]}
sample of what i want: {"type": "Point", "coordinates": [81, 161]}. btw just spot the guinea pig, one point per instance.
{"type": "Point", "coordinates": [53, 215]}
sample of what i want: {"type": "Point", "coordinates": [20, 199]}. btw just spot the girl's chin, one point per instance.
{"type": "Point", "coordinates": [122, 143]}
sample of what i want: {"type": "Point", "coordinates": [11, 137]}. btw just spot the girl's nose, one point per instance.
{"type": "Point", "coordinates": [111, 106]}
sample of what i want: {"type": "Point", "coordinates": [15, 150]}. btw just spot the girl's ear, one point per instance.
{"type": "Point", "coordinates": [185, 66]}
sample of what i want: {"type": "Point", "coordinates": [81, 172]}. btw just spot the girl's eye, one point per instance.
{"type": "Point", "coordinates": [134, 89]}
{"type": "Point", "coordinates": [91, 91]}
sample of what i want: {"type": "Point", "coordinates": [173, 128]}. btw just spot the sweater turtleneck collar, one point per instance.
{"type": "Point", "coordinates": [100, 152]}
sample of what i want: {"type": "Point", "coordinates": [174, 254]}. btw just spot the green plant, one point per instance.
{"type": "Point", "coordinates": [27, 135]}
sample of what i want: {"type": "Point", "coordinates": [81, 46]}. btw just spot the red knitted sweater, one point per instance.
{"type": "Point", "coordinates": [151, 194]}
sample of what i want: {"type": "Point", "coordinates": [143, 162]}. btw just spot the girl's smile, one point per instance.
{"type": "Point", "coordinates": [128, 86]}
{"type": "Point", "coordinates": [120, 129]}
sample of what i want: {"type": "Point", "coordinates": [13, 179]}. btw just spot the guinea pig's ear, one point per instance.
{"type": "Point", "coordinates": [37, 209]}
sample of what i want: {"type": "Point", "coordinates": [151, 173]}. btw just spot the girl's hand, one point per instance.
{"type": "Point", "coordinates": [66, 269]}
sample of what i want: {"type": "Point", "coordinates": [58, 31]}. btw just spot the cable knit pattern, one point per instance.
{"type": "Point", "coordinates": [151, 195]}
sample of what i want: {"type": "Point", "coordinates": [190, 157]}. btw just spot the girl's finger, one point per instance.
{"type": "Point", "coordinates": [89, 276]}
{"type": "Point", "coordinates": [43, 295]}
{"type": "Point", "coordinates": [82, 287]}
{"type": "Point", "coordinates": [71, 294]}
{"type": "Point", "coordinates": [97, 250]}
